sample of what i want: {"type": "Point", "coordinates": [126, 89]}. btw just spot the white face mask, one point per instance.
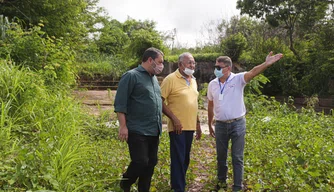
{"type": "Point", "coordinates": [188, 71]}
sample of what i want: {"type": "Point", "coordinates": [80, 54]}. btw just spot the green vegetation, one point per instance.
{"type": "Point", "coordinates": [50, 142]}
{"type": "Point", "coordinates": [102, 66]}
{"type": "Point", "coordinates": [38, 128]}
{"type": "Point", "coordinates": [99, 45]}
{"type": "Point", "coordinates": [199, 57]}
{"type": "Point", "coordinates": [289, 151]}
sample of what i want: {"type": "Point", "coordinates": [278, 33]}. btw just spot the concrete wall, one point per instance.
{"type": "Point", "coordinates": [203, 71]}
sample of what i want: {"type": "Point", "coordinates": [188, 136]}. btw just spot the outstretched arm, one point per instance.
{"type": "Point", "coordinates": [270, 59]}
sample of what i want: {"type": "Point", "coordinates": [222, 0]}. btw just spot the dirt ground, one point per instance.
{"type": "Point", "coordinates": [98, 102]}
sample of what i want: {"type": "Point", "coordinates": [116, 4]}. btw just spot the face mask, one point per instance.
{"type": "Point", "coordinates": [219, 73]}
{"type": "Point", "coordinates": [157, 68]}
{"type": "Point", "coordinates": [188, 71]}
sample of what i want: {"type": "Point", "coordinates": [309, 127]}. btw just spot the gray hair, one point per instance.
{"type": "Point", "coordinates": [183, 55]}
{"type": "Point", "coordinates": [224, 59]}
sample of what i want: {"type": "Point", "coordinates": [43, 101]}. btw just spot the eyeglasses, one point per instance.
{"type": "Point", "coordinates": [190, 63]}
{"type": "Point", "coordinates": [219, 67]}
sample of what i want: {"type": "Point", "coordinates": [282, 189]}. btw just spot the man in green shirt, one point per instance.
{"type": "Point", "coordinates": [139, 109]}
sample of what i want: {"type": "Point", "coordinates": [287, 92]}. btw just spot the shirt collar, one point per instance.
{"type": "Point", "coordinates": [140, 68]}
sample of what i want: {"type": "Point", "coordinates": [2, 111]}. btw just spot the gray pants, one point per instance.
{"type": "Point", "coordinates": [235, 132]}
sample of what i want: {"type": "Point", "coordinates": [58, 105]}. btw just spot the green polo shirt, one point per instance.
{"type": "Point", "coordinates": [138, 96]}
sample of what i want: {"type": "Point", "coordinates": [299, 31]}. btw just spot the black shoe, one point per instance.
{"type": "Point", "coordinates": [221, 186]}
{"type": "Point", "coordinates": [124, 187]}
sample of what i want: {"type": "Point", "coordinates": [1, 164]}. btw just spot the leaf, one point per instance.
{"type": "Point", "coordinates": [11, 182]}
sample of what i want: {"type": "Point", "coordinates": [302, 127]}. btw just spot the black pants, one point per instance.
{"type": "Point", "coordinates": [144, 157]}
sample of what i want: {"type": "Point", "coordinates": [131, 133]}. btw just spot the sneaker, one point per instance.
{"type": "Point", "coordinates": [221, 186]}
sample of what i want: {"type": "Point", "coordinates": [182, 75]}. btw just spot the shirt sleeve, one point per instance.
{"type": "Point", "coordinates": [166, 87]}
{"type": "Point", "coordinates": [124, 90]}
{"type": "Point", "coordinates": [242, 78]}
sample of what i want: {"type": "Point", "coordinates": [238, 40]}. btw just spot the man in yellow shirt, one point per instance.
{"type": "Point", "coordinates": [180, 103]}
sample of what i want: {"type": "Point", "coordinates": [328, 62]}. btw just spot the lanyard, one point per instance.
{"type": "Point", "coordinates": [220, 86]}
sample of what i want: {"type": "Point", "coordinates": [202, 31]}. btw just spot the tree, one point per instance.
{"type": "Point", "coordinates": [234, 45]}
{"type": "Point", "coordinates": [141, 40]}
{"type": "Point", "coordinates": [243, 25]}
{"type": "Point", "coordinates": [131, 25]}
{"type": "Point", "coordinates": [33, 49]}
{"type": "Point", "coordinates": [61, 18]}
{"type": "Point", "coordinates": [320, 55]}
{"type": "Point", "coordinates": [169, 38]}
{"type": "Point", "coordinates": [112, 38]}
{"type": "Point", "coordinates": [142, 35]}
{"type": "Point", "coordinates": [285, 12]}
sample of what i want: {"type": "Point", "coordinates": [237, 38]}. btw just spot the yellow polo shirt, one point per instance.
{"type": "Point", "coordinates": [181, 99]}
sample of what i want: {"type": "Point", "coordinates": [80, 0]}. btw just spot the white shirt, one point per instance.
{"type": "Point", "coordinates": [228, 97]}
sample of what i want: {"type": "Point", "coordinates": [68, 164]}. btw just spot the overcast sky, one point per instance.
{"type": "Point", "coordinates": [189, 17]}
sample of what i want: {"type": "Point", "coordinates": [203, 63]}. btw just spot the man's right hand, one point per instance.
{"type": "Point", "coordinates": [123, 133]}
{"type": "Point", "coordinates": [212, 132]}
{"type": "Point", "coordinates": [177, 126]}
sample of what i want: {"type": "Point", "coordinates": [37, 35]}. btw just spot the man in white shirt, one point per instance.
{"type": "Point", "coordinates": [226, 105]}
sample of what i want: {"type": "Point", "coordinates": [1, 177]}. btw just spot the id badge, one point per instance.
{"type": "Point", "coordinates": [221, 97]}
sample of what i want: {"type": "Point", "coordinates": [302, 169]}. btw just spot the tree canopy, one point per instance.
{"type": "Point", "coordinates": [302, 30]}
{"type": "Point", "coordinates": [61, 18]}
{"type": "Point", "coordinates": [286, 13]}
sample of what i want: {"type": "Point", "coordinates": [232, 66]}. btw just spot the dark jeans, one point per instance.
{"type": "Point", "coordinates": [143, 153]}
{"type": "Point", "coordinates": [235, 132]}
{"type": "Point", "coordinates": [180, 146]}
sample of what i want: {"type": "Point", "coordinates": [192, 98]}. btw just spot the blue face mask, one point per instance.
{"type": "Point", "coordinates": [219, 73]}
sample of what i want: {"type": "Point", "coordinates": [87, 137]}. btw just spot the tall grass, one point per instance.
{"type": "Point", "coordinates": [42, 145]}
{"type": "Point", "coordinates": [7, 142]}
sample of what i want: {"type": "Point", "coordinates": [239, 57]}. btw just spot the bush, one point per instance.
{"type": "Point", "coordinates": [103, 66]}
{"type": "Point", "coordinates": [33, 49]}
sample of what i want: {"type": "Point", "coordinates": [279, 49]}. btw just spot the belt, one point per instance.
{"type": "Point", "coordinates": [231, 120]}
